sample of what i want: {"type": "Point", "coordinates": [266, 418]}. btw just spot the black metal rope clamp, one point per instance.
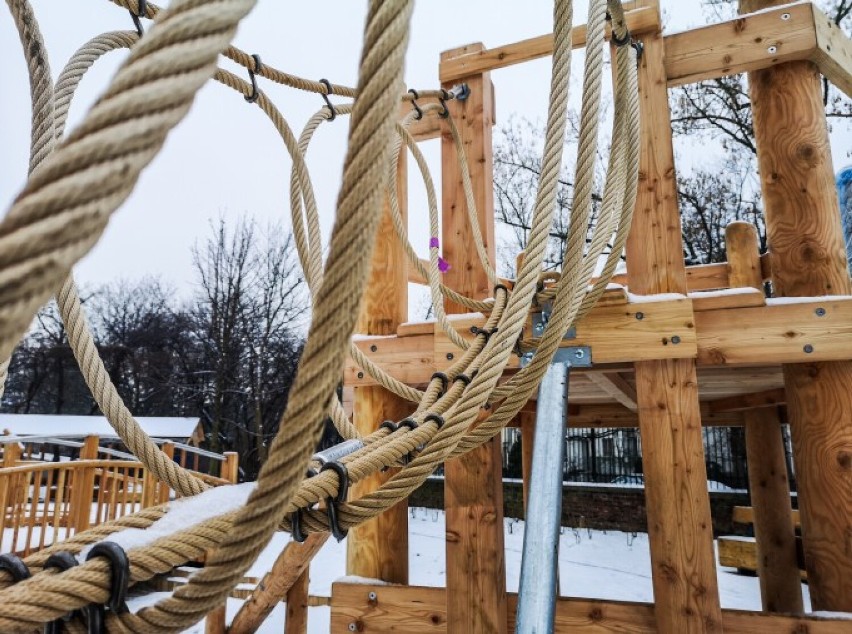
{"type": "Point", "coordinates": [476, 330]}
{"type": "Point", "coordinates": [621, 41]}
{"type": "Point", "coordinates": [119, 582]}
{"type": "Point", "coordinates": [464, 378]}
{"type": "Point", "coordinates": [252, 72]}
{"type": "Point", "coordinates": [296, 531]}
{"type": "Point", "coordinates": [445, 381]}
{"type": "Point", "coordinates": [640, 49]}
{"type": "Point", "coordinates": [15, 566]}
{"type": "Point", "coordinates": [389, 425]}
{"type": "Point", "coordinates": [62, 560]}
{"type": "Point", "coordinates": [445, 113]}
{"type": "Point", "coordinates": [417, 109]}
{"type": "Point", "coordinates": [333, 113]}
{"type": "Point", "coordinates": [141, 12]}
{"type": "Point", "coordinates": [331, 502]}
{"type": "Point", "coordinates": [435, 418]}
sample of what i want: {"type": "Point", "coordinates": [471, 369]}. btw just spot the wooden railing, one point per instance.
{"type": "Point", "coordinates": [42, 503]}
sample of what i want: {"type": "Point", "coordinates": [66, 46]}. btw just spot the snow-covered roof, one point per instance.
{"type": "Point", "coordinates": [60, 425]}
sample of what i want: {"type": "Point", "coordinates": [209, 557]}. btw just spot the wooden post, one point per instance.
{"type": "Point", "coordinates": [214, 622]}
{"type": "Point", "coordinates": [84, 483]}
{"type": "Point", "coordinates": [808, 259]}
{"type": "Point", "coordinates": [296, 621]}
{"type": "Point", "coordinates": [378, 548]}
{"type": "Point", "coordinates": [473, 489]}
{"type": "Point", "coordinates": [680, 531]}
{"type": "Point", "coordinates": [780, 585]}
{"type": "Point", "coordinates": [163, 491]}
{"type": "Point", "coordinates": [231, 467]}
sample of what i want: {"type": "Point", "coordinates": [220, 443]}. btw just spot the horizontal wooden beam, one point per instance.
{"type": "Point", "coordinates": [455, 68]}
{"type": "Point", "coordinates": [749, 42]}
{"type": "Point", "coordinates": [422, 609]}
{"type": "Point", "coordinates": [614, 384]}
{"type": "Point", "coordinates": [742, 402]}
{"type": "Point", "coordinates": [807, 330]}
{"type": "Point", "coordinates": [833, 53]}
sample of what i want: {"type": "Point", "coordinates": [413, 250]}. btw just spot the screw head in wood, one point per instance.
{"type": "Point", "coordinates": [353, 627]}
{"type": "Point", "coordinates": [808, 348]}
{"type": "Point", "coordinates": [372, 596]}
{"type": "Point", "coordinates": [772, 50]}
{"type": "Point", "coordinates": [360, 375]}
{"type": "Point", "coordinates": [450, 356]}
{"type": "Point", "coordinates": [675, 339]}
{"type": "Point", "coordinates": [374, 348]}
{"type": "Point", "coordinates": [640, 316]}
{"type": "Point", "coordinates": [785, 16]}
{"type": "Point", "coordinates": [820, 312]}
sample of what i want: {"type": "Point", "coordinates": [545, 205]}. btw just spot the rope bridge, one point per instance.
{"type": "Point", "coordinates": [77, 181]}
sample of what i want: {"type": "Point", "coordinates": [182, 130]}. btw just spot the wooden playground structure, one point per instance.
{"type": "Point", "coordinates": [672, 347]}
{"type": "Point", "coordinates": [668, 365]}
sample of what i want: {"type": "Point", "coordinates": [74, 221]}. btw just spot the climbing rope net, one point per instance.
{"type": "Point", "coordinates": [78, 180]}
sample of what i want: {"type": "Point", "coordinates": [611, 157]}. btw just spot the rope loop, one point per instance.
{"type": "Point", "coordinates": [333, 112]}
{"type": "Point", "coordinates": [445, 113]}
{"type": "Point", "coordinates": [141, 12]}
{"type": "Point", "coordinates": [15, 566]}
{"type": "Point", "coordinates": [417, 109]}
{"type": "Point", "coordinates": [62, 560]}
{"type": "Point", "coordinates": [296, 531]}
{"type": "Point", "coordinates": [331, 502]}
{"type": "Point", "coordinates": [252, 76]}
{"type": "Point", "coordinates": [119, 566]}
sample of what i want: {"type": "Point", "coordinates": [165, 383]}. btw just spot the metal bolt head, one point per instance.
{"type": "Point", "coordinates": [772, 50]}
{"type": "Point", "coordinates": [360, 375]}
{"type": "Point", "coordinates": [640, 316]}
{"type": "Point", "coordinates": [353, 627]}
{"type": "Point", "coordinates": [450, 356]}
{"type": "Point", "coordinates": [538, 328]}
{"type": "Point", "coordinates": [820, 312]}
{"type": "Point", "coordinates": [675, 339]}
{"type": "Point", "coordinates": [785, 16]}
{"type": "Point", "coordinates": [372, 596]}
{"type": "Point", "coordinates": [374, 348]}
{"type": "Point", "coordinates": [579, 354]}
{"type": "Point", "coordinates": [808, 348]}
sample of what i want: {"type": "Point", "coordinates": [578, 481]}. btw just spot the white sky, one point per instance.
{"type": "Point", "coordinates": [225, 158]}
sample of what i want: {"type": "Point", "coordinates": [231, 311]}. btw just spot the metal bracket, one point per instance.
{"type": "Point", "coordinates": [574, 356]}
{"type": "Point", "coordinates": [539, 322]}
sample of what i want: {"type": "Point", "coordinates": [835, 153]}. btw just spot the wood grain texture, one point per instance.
{"type": "Point", "coordinates": [833, 54]}
{"type": "Point", "coordinates": [398, 609]}
{"type": "Point", "coordinates": [378, 548]}
{"type": "Point", "coordinates": [742, 247]}
{"type": "Point", "coordinates": [808, 258]}
{"type": "Point", "coordinates": [288, 567]}
{"type": "Point", "coordinates": [679, 527]}
{"type": "Point", "coordinates": [296, 621]}
{"type": "Point", "coordinates": [473, 485]}
{"type": "Point", "coordinates": [777, 567]}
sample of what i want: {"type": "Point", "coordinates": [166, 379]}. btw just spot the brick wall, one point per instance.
{"type": "Point", "coordinates": [594, 506]}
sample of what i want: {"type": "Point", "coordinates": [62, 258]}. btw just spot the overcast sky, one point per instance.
{"type": "Point", "coordinates": [225, 158]}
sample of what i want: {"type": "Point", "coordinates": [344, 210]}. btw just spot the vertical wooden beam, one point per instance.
{"type": "Point", "coordinates": [231, 467]}
{"type": "Point", "coordinates": [780, 585]}
{"type": "Point", "coordinates": [296, 621]}
{"type": "Point", "coordinates": [214, 622]}
{"type": "Point", "coordinates": [163, 491]}
{"type": "Point", "coordinates": [85, 484]}
{"type": "Point", "coordinates": [808, 259]}
{"type": "Point", "coordinates": [378, 549]}
{"type": "Point", "coordinates": [473, 491]}
{"type": "Point", "coordinates": [680, 533]}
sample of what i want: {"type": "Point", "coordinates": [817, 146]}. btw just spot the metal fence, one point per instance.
{"type": "Point", "coordinates": [614, 455]}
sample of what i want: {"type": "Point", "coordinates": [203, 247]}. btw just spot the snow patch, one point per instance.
{"type": "Point", "coordinates": [659, 297]}
{"type": "Point", "coordinates": [781, 301]}
{"type": "Point", "coordinates": [183, 513]}
{"type": "Point", "coordinates": [724, 292]}
{"type": "Point", "coordinates": [361, 581]}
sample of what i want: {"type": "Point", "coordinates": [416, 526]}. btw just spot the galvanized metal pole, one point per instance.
{"type": "Point", "coordinates": [537, 593]}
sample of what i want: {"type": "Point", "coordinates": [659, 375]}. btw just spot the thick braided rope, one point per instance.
{"type": "Point", "coordinates": [65, 206]}
{"type": "Point", "coordinates": [41, 98]}
{"type": "Point", "coordinates": [80, 336]}
{"type": "Point", "coordinates": [334, 317]}
{"type": "Point", "coordinates": [494, 357]}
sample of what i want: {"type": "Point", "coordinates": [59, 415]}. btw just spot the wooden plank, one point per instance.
{"type": "Point", "coordinates": [214, 622]}
{"type": "Point", "coordinates": [457, 68]}
{"type": "Point", "coordinates": [378, 548]}
{"type": "Point", "coordinates": [680, 534]}
{"type": "Point", "coordinates": [745, 515]}
{"type": "Point", "coordinates": [422, 609]}
{"type": "Point", "coordinates": [615, 385]}
{"type": "Point", "coordinates": [809, 259]}
{"type": "Point", "coordinates": [769, 486]}
{"type": "Point", "coordinates": [738, 552]}
{"type": "Point", "coordinates": [742, 402]}
{"type": "Point", "coordinates": [296, 621]}
{"type": "Point", "coordinates": [833, 52]}
{"type": "Point", "coordinates": [777, 333]}
{"type": "Point", "coordinates": [749, 42]}
{"type": "Point", "coordinates": [409, 359]}
{"type": "Point", "coordinates": [288, 567]}
{"type": "Point", "coordinates": [710, 300]}
{"type": "Point", "coordinates": [473, 483]}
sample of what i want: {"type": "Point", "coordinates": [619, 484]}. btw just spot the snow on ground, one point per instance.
{"type": "Point", "coordinates": [592, 564]}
